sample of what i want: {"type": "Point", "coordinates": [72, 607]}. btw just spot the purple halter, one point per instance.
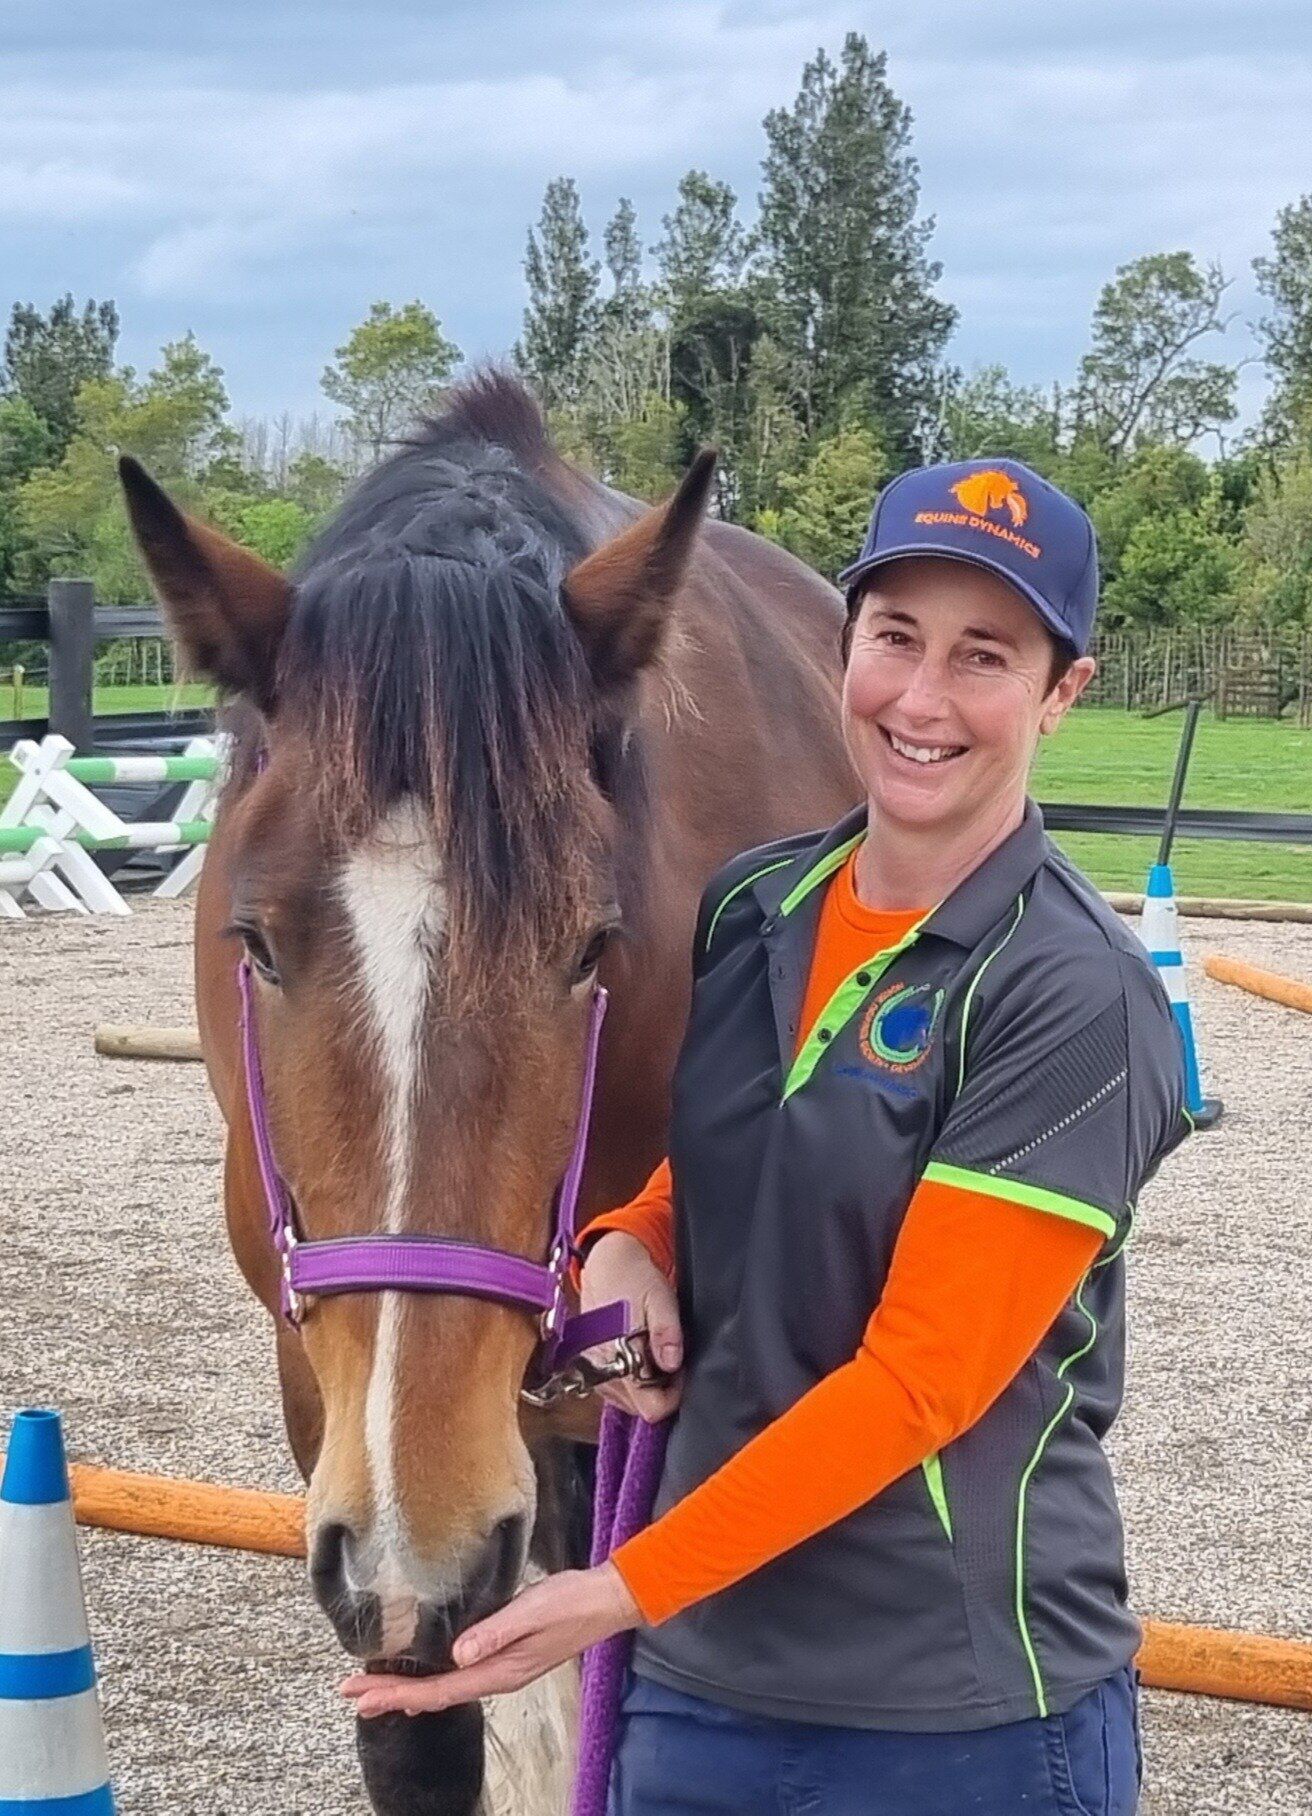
{"type": "Point", "coordinates": [436, 1264]}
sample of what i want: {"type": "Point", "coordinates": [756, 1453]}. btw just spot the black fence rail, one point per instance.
{"type": "Point", "coordinates": [72, 624]}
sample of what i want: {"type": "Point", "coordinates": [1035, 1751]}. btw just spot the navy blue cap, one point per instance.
{"type": "Point", "coordinates": [998, 515]}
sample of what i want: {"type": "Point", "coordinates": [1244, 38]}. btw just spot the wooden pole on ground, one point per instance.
{"type": "Point", "coordinates": [133, 1042]}
{"type": "Point", "coordinates": [198, 1513]}
{"type": "Point", "coordinates": [1241, 1667]}
{"type": "Point", "coordinates": [1202, 1661]}
{"type": "Point", "coordinates": [1270, 984]}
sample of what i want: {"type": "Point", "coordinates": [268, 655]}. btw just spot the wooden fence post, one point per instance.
{"type": "Point", "coordinates": [72, 606]}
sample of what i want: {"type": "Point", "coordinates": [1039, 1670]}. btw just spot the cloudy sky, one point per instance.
{"type": "Point", "coordinates": [260, 172]}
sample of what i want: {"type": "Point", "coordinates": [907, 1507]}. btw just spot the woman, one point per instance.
{"type": "Point", "coordinates": [925, 1074]}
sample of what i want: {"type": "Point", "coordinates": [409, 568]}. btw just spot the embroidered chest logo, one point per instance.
{"type": "Point", "coordinates": [897, 1028]}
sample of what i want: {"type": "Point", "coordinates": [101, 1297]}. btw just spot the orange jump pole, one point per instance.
{"type": "Point", "coordinates": [1276, 989]}
{"type": "Point", "coordinates": [1241, 1667]}
{"type": "Point", "coordinates": [1204, 1661]}
{"type": "Point", "coordinates": [199, 1513]}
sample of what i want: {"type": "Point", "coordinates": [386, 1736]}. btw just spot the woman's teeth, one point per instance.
{"type": "Point", "coordinates": [924, 753]}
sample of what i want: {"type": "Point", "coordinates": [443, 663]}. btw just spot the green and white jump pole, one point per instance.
{"type": "Point", "coordinates": [1159, 929]}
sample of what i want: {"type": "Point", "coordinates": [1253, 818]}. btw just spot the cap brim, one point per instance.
{"type": "Point", "coordinates": [859, 571]}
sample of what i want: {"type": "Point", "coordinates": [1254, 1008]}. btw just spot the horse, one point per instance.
{"type": "Point", "coordinates": [490, 738]}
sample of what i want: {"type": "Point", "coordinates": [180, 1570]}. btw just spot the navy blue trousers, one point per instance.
{"type": "Point", "coordinates": [682, 1756]}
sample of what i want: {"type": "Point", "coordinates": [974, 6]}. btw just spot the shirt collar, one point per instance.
{"type": "Point", "coordinates": [964, 917]}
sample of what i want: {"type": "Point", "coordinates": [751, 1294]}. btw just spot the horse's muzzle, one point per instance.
{"type": "Point", "coordinates": [413, 1629]}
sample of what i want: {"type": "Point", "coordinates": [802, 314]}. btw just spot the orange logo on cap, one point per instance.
{"type": "Point", "coordinates": [991, 490]}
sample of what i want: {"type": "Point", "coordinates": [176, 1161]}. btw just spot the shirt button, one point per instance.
{"type": "Point", "coordinates": [863, 977]}
{"type": "Point", "coordinates": [824, 1034]}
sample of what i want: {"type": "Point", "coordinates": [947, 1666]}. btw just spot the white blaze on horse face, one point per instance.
{"type": "Point", "coordinates": [393, 892]}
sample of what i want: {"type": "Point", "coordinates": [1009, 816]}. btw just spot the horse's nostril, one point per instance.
{"type": "Point", "coordinates": [504, 1545]}
{"type": "Point", "coordinates": [328, 1559]}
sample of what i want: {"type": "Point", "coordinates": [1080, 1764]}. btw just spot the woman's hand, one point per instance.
{"type": "Point", "coordinates": [544, 1625]}
{"type": "Point", "coordinates": [619, 1267]}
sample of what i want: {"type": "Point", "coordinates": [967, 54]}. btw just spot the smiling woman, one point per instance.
{"type": "Point", "coordinates": [925, 1074]}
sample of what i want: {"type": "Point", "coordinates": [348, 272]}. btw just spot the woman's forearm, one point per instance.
{"type": "Point", "coordinates": [974, 1284]}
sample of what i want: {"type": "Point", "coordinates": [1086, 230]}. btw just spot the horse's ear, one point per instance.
{"type": "Point", "coordinates": [619, 596]}
{"type": "Point", "coordinates": [227, 608]}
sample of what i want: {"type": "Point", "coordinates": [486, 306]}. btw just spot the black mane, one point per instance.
{"type": "Point", "coordinates": [429, 654]}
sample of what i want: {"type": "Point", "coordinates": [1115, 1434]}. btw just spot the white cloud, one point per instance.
{"type": "Point", "coordinates": [295, 168]}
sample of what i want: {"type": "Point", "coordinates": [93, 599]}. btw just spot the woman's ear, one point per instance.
{"type": "Point", "coordinates": [1066, 693]}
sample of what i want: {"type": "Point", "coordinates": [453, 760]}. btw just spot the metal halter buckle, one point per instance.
{"type": "Point", "coordinates": [294, 1301]}
{"type": "Point", "coordinates": [628, 1358]}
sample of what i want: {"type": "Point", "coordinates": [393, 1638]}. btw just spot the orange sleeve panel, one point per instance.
{"type": "Point", "coordinates": [973, 1287]}
{"type": "Point", "coordinates": [649, 1217]}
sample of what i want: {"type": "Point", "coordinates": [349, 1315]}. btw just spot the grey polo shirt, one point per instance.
{"type": "Point", "coordinates": [1017, 1043]}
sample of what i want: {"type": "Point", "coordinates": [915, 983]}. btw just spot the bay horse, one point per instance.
{"type": "Point", "coordinates": [491, 737]}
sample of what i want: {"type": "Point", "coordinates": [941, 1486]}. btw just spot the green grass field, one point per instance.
{"type": "Point", "coordinates": [1101, 757]}
{"type": "Point", "coordinates": [1106, 758]}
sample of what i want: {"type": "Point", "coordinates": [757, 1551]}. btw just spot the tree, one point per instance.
{"type": "Point", "coordinates": [826, 505]}
{"type": "Point", "coordinates": [852, 286]}
{"type": "Point", "coordinates": [26, 443]}
{"type": "Point", "coordinates": [48, 358]}
{"type": "Point", "coordinates": [389, 369]}
{"type": "Point", "coordinates": [715, 321]}
{"type": "Point", "coordinates": [275, 528]}
{"type": "Point", "coordinates": [624, 262]}
{"type": "Point", "coordinates": [986, 413]}
{"type": "Point", "coordinates": [563, 306]}
{"type": "Point", "coordinates": [772, 437]}
{"type": "Point", "coordinates": [1178, 568]}
{"type": "Point", "coordinates": [1285, 279]}
{"type": "Point", "coordinates": [71, 514]}
{"type": "Point", "coordinates": [1139, 381]}
{"type": "Point", "coordinates": [1152, 484]}
{"type": "Point", "coordinates": [704, 250]}
{"type": "Point", "coordinates": [1276, 556]}
{"type": "Point", "coordinates": [1166, 540]}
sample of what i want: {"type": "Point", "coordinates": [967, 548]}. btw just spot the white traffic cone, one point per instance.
{"type": "Point", "coordinates": [1159, 929]}
{"type": "Point", "coordinates": [52, 1743]}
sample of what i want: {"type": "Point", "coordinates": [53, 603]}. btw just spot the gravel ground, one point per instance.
{"type": "Point", "coordinates": [123, 1307]}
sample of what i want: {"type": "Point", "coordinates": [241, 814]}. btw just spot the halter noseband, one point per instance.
{"type": "Point", "coordinates": [441, 1264]}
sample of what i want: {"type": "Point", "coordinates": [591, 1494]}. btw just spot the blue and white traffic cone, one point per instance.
{"type": "Point", "coordinates": [52, 1743]}
{"type": "Point", "coordinates": [1159, 929]}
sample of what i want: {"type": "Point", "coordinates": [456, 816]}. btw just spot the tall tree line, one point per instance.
{"type": "Point", "coordinates": [810, 345]}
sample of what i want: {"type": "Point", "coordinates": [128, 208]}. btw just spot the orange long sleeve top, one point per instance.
{"type": "Point", "coordinates": [973, 1285]}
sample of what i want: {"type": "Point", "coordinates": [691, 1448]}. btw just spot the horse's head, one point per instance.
{"type": "Point", "coordinates": [424, 872]}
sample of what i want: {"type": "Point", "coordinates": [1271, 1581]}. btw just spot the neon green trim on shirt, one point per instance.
{"type": "Point", "coordinates": [1017, 1192]}
{"type": "Point", "coordinates": [1040, 1694]}
{"type": "Point", "coordinates": [842, 1006]}
{"type": "Point", "coordinates": [737, 889]}
{"type": "Point", "coordinates": [826, 867]}
{"type": "Point", "coordinates": [938, 1494]}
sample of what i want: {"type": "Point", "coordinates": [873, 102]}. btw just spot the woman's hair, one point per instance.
{"type": "Point", "coordinates": [1060, 658]}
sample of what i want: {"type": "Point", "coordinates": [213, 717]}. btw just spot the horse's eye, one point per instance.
{"type": "Point", "coordinates": [590, 957]}
{"type": "Point", "coordinates": [257, 951]}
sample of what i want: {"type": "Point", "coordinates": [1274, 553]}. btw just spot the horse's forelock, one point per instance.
{"type": "Point", "coordinates": [429, 655]}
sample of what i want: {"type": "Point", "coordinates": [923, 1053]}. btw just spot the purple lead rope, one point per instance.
{"type": "Point", "coordinates": [629, 1461]}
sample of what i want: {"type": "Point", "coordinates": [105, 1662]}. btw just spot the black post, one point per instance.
{"type": "Point", "coordinates": [1182, 756]}
{"type": "Point", "coordinates": [72, 606]}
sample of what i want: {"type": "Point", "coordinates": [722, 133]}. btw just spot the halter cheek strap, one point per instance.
{"type": "Point", "coordinates": [435, 1264]}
